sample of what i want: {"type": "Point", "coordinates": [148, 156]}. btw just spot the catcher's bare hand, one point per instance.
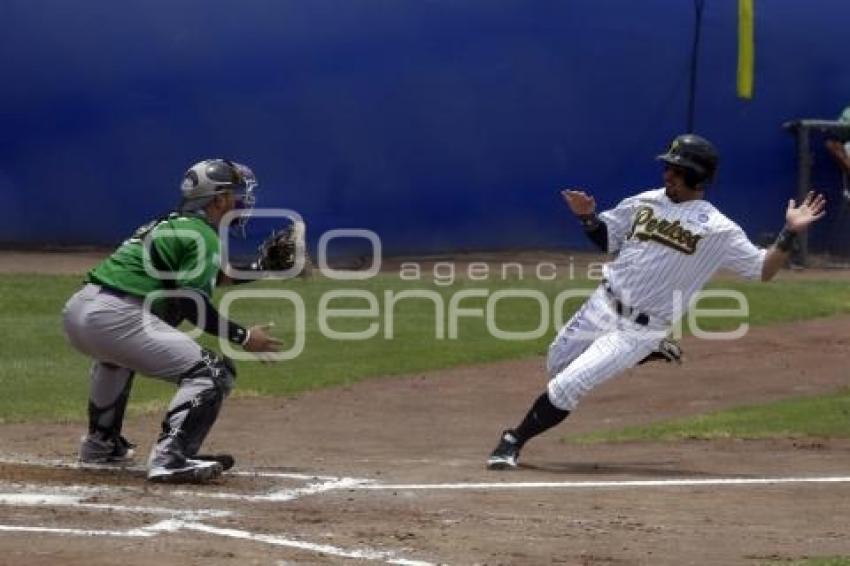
{"type": "Point", "coordinates": [581, 203]}
{"type": "Point", "coordinates": [812, 209]}
{"type": "Point", "coordinates": [259, 340]}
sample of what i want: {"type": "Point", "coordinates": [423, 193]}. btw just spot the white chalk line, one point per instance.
{"type": "Point", "coordinates": [604, 484]}
{"type": "Point", "coordinates": [63, 500]}
{"type": "Point", "coordinates": [63, 464]}
{"type": "Point", "coordinates": [320, 484]}
{"type": "Point", "coordinates": [175, 525]}
{"type": "Point", "coordinates": [75, 495]}
{"type": "Point", "coordinates": [325, 484]}
{"type": "Point", "coordinates": [367, 554]}
{"type": "Point", "coordinates": [282, 495]}
{"type": "Point", "coordinates": [75, 532]}
{"type": "Point", "coordinates": [351, 484]}
{"type": "Point", "coordinates": [280, 475]}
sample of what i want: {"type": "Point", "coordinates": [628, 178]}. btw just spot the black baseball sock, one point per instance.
{"type": "Point", "coordinates": [542, 416]}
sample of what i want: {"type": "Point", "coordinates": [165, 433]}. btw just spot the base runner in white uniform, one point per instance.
{"type": "Point", "coordinates": [667, 242]}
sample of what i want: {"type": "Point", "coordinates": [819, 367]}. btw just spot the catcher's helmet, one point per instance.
{"type": "Point", "coordinates": [210, 177]}
{"type": "Point", "coordinates": [696, 155]}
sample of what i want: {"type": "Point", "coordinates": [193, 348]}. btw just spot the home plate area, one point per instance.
{"type": "Point", "coordinates": [67, 500]}
{"type": "Point", "coordinates": [61, 510]}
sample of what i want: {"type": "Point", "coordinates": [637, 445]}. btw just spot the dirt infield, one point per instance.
{"type": "Point", "coordinates": [54, 263]}
{"type": "Point", "coordinates": [391, 470]}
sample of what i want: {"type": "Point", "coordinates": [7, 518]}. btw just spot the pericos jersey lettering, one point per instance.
{"type": "Point", "coordinates": [671, 234]}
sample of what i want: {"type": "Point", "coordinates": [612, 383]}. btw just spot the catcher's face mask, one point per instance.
{"type": "Point", "coordinates": [244, 197]}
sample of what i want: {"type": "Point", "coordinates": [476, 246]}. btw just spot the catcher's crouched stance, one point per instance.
{"type": "Point", "coordinates": [107, 320]}
{"type": "Point", "coordinates": [668, 243]}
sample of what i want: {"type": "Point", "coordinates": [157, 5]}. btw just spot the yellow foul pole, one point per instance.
{"type": "Point", "coordinates": [746, 48]}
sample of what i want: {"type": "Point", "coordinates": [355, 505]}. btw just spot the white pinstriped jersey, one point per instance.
{"type": "Point", "coordinates": [667, 251]}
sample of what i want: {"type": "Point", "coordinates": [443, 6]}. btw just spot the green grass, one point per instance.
{"type": "Point", "coordinates": [821, 561]}
{"type": "Point", "coordinates": [45, 379]}
{"type": "Point", "coordinates": [826, 416]}
{"type": "Point", "coordinates": [780, 301]}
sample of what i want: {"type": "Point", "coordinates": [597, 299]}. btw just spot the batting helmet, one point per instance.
{"type": "Point", "coordinates": [696, 155]}
{"type": "Point", "coordinates": [210, 177]}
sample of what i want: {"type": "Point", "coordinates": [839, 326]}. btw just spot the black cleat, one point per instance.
{"type": "Point", "coordinates": [504, 457]}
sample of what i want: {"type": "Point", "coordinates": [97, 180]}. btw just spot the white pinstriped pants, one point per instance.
{"type": "Point", "coordinates": [594, 346]}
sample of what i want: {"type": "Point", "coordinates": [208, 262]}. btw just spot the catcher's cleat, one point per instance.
{"type": "Point", "coordinates": [226, 460]}
{"type": "Point", "coordinates": [192, 471]}
{"type": "Point", "coordinates": [504, 457]}
{"type": "Point", "coordinates": [96, 450]}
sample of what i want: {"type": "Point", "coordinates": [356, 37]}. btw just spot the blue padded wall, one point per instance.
{"type": "Point", "coordinates": [440, 124]}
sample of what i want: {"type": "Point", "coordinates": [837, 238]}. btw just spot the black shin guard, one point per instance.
{"type": "Point", "coordinates": [188, 424]}
{"type": "Point", "coordinates": [195, 408]}
{"type": "Point", "coordinates": [109, 420]}
{"type": "Point", "coordinates": [542, 416]}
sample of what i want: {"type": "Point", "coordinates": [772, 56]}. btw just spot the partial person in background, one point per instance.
{"type": "Point", "coordinates": [108, 321]}
{"type": "Point", "coordinates": [839, 149]}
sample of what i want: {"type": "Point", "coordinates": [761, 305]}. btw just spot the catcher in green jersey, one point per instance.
{"type": "Point", "coordinates": [168, 268]}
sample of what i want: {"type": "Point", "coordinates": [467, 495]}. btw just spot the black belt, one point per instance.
{"type": "Point", "coordinates": [626, 311]}
{"type": "Point", "coordinates": [115, 292]}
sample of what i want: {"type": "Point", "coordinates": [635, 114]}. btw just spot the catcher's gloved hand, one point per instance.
{"type": "Point", "coordinates": [280, 249]}
{"type": "Point", "coordinates": [668, 350]}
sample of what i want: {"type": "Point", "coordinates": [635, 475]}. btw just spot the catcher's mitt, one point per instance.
{"type": "Point", "coordinates": [280, 249]}
{"type": "Point", "coordinates": [668, 351]}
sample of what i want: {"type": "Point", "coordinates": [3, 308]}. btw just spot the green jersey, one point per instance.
{"type": "Point", "coordinates": [174, 252]}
